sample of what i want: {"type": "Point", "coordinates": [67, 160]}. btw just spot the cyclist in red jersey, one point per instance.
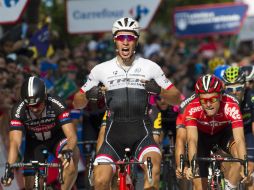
{"type": "Point", "coordinates": [214, 118]}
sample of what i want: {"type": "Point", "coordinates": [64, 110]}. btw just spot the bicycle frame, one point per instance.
{"type": "Point", "coordinates": [124, 174]}
{"type": "Point", "coordinates": [215, 175]}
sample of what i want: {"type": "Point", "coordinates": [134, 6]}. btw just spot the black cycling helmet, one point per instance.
{"type": "Point", "coordinates": [33, 91]}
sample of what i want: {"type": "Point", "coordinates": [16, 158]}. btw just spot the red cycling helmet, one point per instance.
{"type": "Point", "coordinates": [208, 84]}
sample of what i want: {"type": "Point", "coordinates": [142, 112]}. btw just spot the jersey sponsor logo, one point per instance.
{"type": "Point", "coordinates": [56, 102]}
{"type": "Point", "coordinates": [18, 110]}
{"type": "Point", "coordinates": [194, 110]}
{"type": "Point", "coordinates": [232, 111]}
{"type": "Point", "coordinates": [41, 128]}
{"type": "Point", "coordinates": [232, 97]}
{"type": "Point", "coordinates": [64, 115]}
{"type": "Point", "coordinates": [186, 101]}
{"type": "Point", "coordinates": [137, 70]}
{"type": "Point", "coordinates": [125, 81]}
{"type": "Point", "coordinates": [16, 123]}
{"type": "Point", "coordinates": [157, 121]}
{"type": "Point", "coordinates": [41, 121]}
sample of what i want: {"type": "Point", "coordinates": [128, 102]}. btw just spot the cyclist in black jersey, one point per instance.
{"type": "Point", "coordinates": [46, 124]}
{"type": "Point", "coordinates": [235, 83]}
{"type": "Point", "coordinates": [127, 80]}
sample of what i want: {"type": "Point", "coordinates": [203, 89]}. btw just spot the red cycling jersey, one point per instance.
{"type": "Point", "coordinates": [228, 114]}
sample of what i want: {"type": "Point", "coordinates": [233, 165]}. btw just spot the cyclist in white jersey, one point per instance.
{"type": "Point", "coordinates": [128, 81]}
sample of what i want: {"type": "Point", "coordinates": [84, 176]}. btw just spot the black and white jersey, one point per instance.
{"type": "Point", "coordinates": [126, 96]}
{"type": "Point", "coordinates": [46, 127]}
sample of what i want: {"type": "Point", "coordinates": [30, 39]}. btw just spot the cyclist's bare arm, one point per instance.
{"type": "Point", "coordinates": [192, 139]}
{"type": "Point", "coordinates": [252, 128]}
{"type": "Point", "coordinates": [181, 138]}
{"type": "Point", "coordinates": [238, 134]}
{"type": "Point", "coordinates": [80, 101]}
{"type": "Point", "coordinates": [70, 133]}
{"type": "Point", "coordinates": [172, 95]}
{"type": "Point", "coordinates": [15, 138]}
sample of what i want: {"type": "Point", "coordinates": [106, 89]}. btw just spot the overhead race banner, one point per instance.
{"type": "Point", "coordinates": [203, 20]}
{"type": "Point", "coordinates": [11, 10]}
{"type": "Point", "coordinates": [89, 16]}
{"type": "Point", "coordinates": [250, 4]}
{"type": "Point", "coordinates": [247, 31]}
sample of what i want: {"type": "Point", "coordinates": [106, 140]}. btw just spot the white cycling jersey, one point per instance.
{"type": "Point", "coordinates": [114, 76]}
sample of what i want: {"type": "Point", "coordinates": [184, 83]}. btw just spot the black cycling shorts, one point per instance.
{"type": "Point", "coordinates": [34, 148]}
{"type": "Point", "coordinates": [206, 143]}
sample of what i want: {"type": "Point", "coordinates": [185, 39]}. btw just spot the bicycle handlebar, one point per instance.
{"type": "Point", "coordinates": [148, 163]}
{"type": "Point", "coordinates": [118, 163]}
{"type": "Point", "coordinates": [36, 164]}
{"type": "Point", "coordinates": [181, 164]}
{"type": "Point", "coordinates": [218, 158]}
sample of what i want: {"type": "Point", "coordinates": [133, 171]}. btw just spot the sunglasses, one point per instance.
{"type": "Point", "coordinates": [212, 100]}
{"type": "Point", "coordinates": [35, 106]}
{"type": "Point", "coordinates": [230, 89]}
{"type": "Point", "coordinates": [127, 37]}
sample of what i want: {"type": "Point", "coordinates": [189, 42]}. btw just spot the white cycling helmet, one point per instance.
{"type": "Point", "coordinates": [125, 24]}
{"type": "Point", "coordinates": [249, 72]}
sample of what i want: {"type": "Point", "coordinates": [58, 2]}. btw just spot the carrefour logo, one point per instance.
{"type": "Point", "coordinates": [138, 11]}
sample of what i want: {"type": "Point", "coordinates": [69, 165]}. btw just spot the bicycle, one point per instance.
{"type": "Point", "coordinates": [168, 179]}
{"type": "Point", "coordinates": [215, 176]}
{"type": "Point", "coordinates": [125, 178]}
{"type": "Point", "coordinates": [36, 166]}
{"type": "Point", "coordinates": [88, 151]}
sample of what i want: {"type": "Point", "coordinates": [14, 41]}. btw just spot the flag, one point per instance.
{"type": "Point", "coordinates": [64, 87]}
{"type": "Point", "coordinates": [40, 42]}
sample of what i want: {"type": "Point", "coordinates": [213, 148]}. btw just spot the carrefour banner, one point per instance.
{"type": "Point", "coordinates": [203, 20]}
{"type": "Point", "coordinates": [11, 10]}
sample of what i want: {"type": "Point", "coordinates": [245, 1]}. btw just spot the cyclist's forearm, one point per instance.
{"type": "Point", "coordinates": [238, 134]}
{"type": "Point", "coordinates": [13, 153]}
{"type": "Point", "coordinates": [192, 139]}
{"type": "Point", "coordinates": [241, 149]}
{"type": "Point", "coordinates": [72, 142]}
{"type": "Point", "coordinates": [173, 95]}
{"type": "Point", "coordinates": [180, 146]}
{"type": "Point", "coordinates": [70, 133]}
{"type": "Point", "coordinates": [181, 139]}
{"type": "Point", "coordinates": [15, 138]}
{"type": "Point", "coordinates": [253, 128]}
{"type": "Point", "coordinates": [80, 101]}
{"type": "Point", "coordinates": [192, 149]}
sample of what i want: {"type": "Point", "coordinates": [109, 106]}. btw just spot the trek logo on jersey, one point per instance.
{"type": "Point", "coordinates": [232, 111]}
{"type": "Point", "coordinates": [194, 110]}
{"type": "Point", "coordinates": [125, 81]}
{"type": "Point", "coordinates": [16, 123]}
